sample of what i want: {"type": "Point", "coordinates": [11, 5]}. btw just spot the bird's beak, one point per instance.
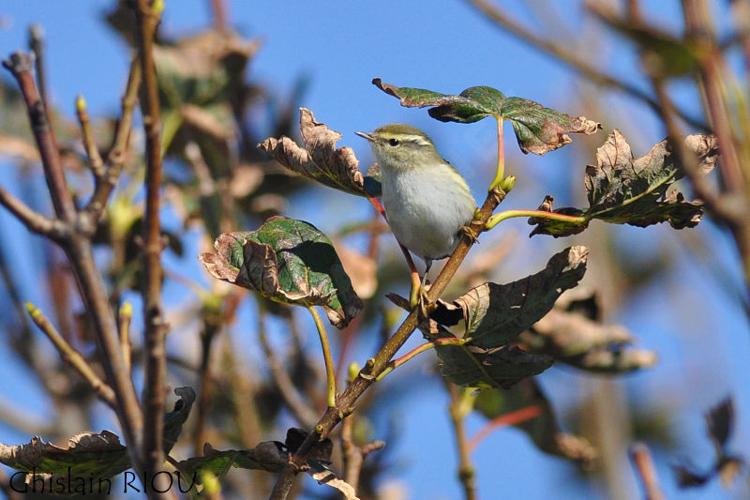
{"type": "Point", "coordinates": [365, 135]}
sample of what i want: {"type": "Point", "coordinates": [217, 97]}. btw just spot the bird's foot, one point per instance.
{"type": "Point", "coordinates": [420, 301]}
{"type": "Point", "coordinates": [469, 231]}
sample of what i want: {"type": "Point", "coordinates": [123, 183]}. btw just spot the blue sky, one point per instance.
{"type": "Point", "coordinates": [341, 45]}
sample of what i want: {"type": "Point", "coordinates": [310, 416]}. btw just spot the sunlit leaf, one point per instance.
{"type": "Point", "coordinates": [538, 129]}
{"type": "Point", "coordinates": [320, 159]}
{"type": "Point", "coordinates": [289, 261]}
{"type": "Point", "coordinates": [637, 191]}
{"type": "Point", "coordinates": [544, 429]}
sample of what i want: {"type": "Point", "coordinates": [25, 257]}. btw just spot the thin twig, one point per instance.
{"type": "Point", "coordinates": [89, 143]}
{"type": "Point", "coordinates": [640, 457]}
{"type": "Point", "coordinates": [117, 152]}
{"type": "Point", "coordinates": [466, 472]}
{"type": "Point", "coordinates": [219, 12]}
{"type": "Point", "coordinates": [155, 327]}
{"type": "Point", "coordinates": [210, 329]}
{"type": "Point", "coordinates": [302, 411]}
{"type": "Point", "coordinates": [72, 357]}
{"type": "Point", "coordinates": [561, 53]}
{"type": "Point", "coordinates": [539, 214]}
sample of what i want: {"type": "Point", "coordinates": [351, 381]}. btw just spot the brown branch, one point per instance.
{"type": "Point", "coordinates": [375, 366]}
{"type": "Point", "coordinates": [644, 467]}
{"type": "Point", "coordinates": [219, 12]}
{"type": "Point", "coordinates": [353, 454]}
{"type": "Point", "coordinates": [154, 324]}
{"type": "Point", "coordinates": [302, 411]}
{"type": "Point", "coordinates": [79, 251]}
{"type": "Point", "coordinates": [504, 420]}
{"type": "Point", "coordinates": [21, 65]}
{"type": "Point", "coordinates": [571, 58]}
{"type": "Point", "coordinates": [116, 156]}
{"type": "Point", "coordinates": [72, 357]}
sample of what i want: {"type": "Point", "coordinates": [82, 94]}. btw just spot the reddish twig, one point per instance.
{"type": "Point", "coordinates": [640, 457]}
{"type": "Point", "coordinates": [505, 420]}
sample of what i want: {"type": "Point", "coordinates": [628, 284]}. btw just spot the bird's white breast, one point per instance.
{"type": "Point", "coordinates": [426, 209]}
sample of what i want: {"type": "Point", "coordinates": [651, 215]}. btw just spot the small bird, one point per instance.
{"type": "Point", "coordinates": [426, 200]}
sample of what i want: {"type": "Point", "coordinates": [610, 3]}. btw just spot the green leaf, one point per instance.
{"type": "Point", "coordinates": [496, 314]}
{"type": "Point", "coordinates": [538, 129]}
{"type": "Point", "coordinates": [319, 159]}
{"type": "Point", "coordinates": [639, 192]}
{"type": "Point", "coordinates": [543, 429]}
{"type": "Point", "coordinates": [288, 261]}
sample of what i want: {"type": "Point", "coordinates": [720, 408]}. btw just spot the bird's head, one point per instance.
{"type": "Point", "coordinates": [400, 147]}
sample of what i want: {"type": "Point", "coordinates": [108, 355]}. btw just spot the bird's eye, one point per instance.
{"type": "Point", "coordinates": [393, 142]}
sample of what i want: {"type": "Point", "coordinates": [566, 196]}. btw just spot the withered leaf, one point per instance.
{"type": "Point", "coordinates": [544, 430]}
{"type": "Point", "coordinates": [573, 333]}
{"type": "Point", "coordinates": [289, 261]}
{"type": "Point", "coordinates": [175, 419]}
{"type": "Point", "coordinates": [89, 454]}
{"type": "Point", "coordinates": [320, 159]}
{"type": "Point", "coordinates": [496, 314]}
{"type": "Point", "coordinates": [637, 191]}
{"type": "Point", "coordinates": [720, 422]}
{"type": "Point", "coordinates": [538, 129]}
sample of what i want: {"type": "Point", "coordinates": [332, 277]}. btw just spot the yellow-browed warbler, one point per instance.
{"type": "Point", "coordinates": [426, 200]}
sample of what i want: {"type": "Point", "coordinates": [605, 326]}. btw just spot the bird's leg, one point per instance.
{"type": "Point", "coordinates": [422, 300]}
{"type": "Point", "coordinates": [415, 281]}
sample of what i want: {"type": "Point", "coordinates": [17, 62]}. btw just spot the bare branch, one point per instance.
{"type": "Point", "coordinates": [34, 221]}
{"type": "Point", "coordinates": [644, 467]}
{"type": "Point", "coordinates": [89, 143]}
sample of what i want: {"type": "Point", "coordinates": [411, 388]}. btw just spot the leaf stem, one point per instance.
{"type": "Point", "coordinates": [500, 172]}
{"type": "Point", "coordinates": [419, 350]}
{"type": "Point", "coordinates": [328, 359]}
{"type": "Point", "coordinates": [540, 214]}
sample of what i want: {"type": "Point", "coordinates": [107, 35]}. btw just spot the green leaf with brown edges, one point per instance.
{"type": "Point", "coordinates": [289, 261]}
{"type": "Point", "coordinates": [494, 315]}
{"type": "Point", "coordinates": [543, 429]}
{"type": "Point", "coordinates": [319, 158]}
{"type": "Point", "coordinates": [538, 129]}
{"type": "Point", "coordinates": [637, 191]}
{"type": "Point", "coordinates": [89, 454]}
